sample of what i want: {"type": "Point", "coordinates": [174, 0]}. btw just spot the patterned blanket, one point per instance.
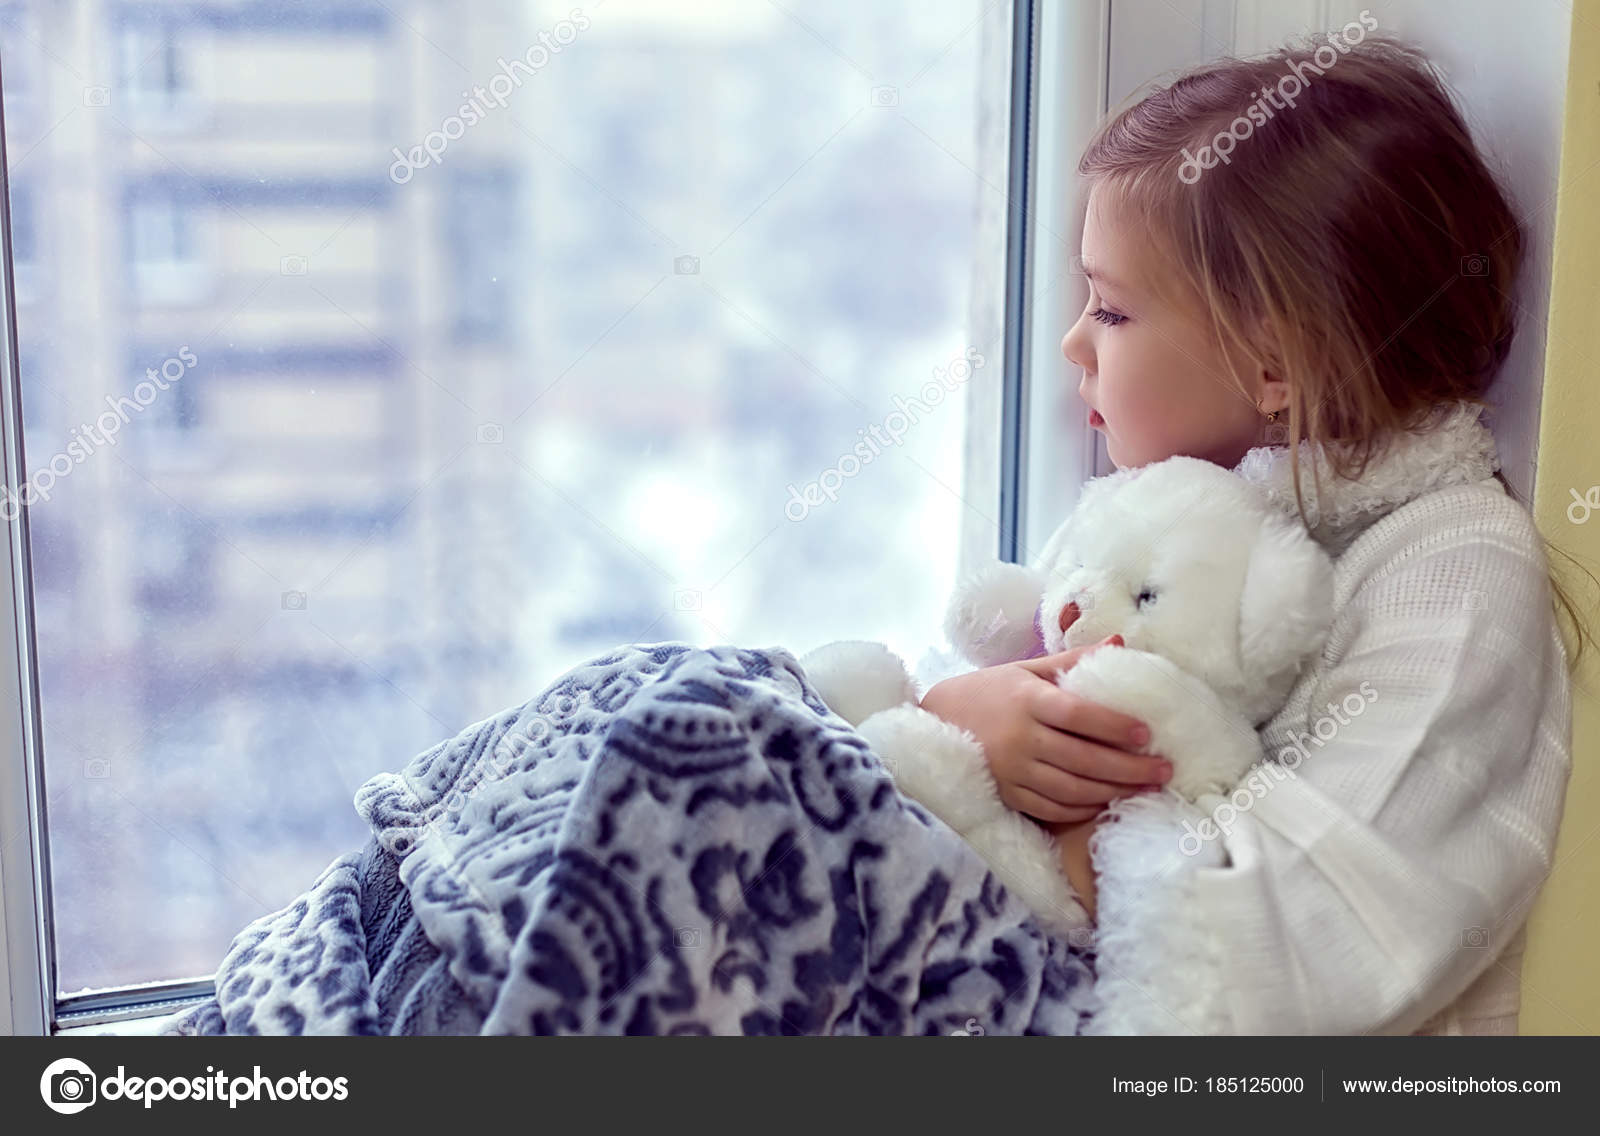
{"type": "Point", "coordinates": [668, 840]}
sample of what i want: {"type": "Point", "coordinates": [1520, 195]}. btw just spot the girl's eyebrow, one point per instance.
{"type": "Point", "coordinates": [1099, 277]}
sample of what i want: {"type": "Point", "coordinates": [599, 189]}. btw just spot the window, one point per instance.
{"type": "Point", "coordinates": [156, 67]}
{"type": "Point", "coordinates": [166, 261]}
{"type": "Point", "coordinates": [152, 69]}
{"type": "Point", "coordinates": [25, 243]}
{"type": "Point", "coordinates": [481, 224]}
{"type": "Point", "coordinates": [495, 336]}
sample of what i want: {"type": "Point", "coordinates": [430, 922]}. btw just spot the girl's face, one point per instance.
{"type": "Point", "coordinates": [1155, 379]}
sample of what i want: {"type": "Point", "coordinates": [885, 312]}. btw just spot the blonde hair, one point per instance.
{"type": "Point", "coordinates": [1354, 243]}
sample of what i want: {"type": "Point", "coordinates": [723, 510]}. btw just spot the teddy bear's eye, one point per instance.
{"type": "Point", "coordinates": [1147, 596]}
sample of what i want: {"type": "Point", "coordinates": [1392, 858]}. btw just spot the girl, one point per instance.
{"type": "Point", "coordinates": [673, 839]}
{"type": "Point", "coordinates": [1321, 307]}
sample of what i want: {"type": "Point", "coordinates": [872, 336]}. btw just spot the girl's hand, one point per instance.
{"type": "Point", "coordinates": [1054, 755]}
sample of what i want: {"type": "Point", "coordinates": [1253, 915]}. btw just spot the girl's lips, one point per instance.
{"type": "Point", "coordinates": [1095, 419]}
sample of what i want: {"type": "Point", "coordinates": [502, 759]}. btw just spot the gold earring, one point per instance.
{"type": "Point", "coordinates": [1272, 416]}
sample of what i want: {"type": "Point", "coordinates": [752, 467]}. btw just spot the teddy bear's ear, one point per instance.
{"type": "Point", "coordinates": [1090, 496]}
{"type": "Point", "coordinates": [1044, 560]}
{"type": "Point", "coordinates": [1285, 608]}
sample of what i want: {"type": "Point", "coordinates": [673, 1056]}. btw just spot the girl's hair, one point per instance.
{"type": "Point", "coordinates": [1327, 206]}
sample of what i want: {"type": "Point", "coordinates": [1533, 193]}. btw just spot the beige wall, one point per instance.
{"type": "Point", "coordinates": [1560, 983]}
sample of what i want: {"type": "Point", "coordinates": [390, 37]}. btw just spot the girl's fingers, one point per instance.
{"type": "Point", "coordinates": [1099, 762]}
{"type": "Point", "coordinates": [1069, 789]}
{"type": "Point", "coordinates": [1075, 714]}
{"type": "Point", "coordinates": [1049, 666]}
{"type": "Point", "coordinates": [1042, 808]}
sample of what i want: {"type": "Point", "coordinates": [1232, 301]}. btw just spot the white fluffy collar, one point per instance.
{"type": "Point", "coordinates": [1454, 448]}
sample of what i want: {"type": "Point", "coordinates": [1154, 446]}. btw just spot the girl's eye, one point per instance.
{"type": "Point", "coordinates": [1110, 319]}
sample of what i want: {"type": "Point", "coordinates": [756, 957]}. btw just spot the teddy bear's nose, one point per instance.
{"type": "Point", "coordinates": [1069, 615]}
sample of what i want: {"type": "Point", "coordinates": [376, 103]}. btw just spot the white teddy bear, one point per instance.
{"type": "Point", "coordinates": [1220, 600]}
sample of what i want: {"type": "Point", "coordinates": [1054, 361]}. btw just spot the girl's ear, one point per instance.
{"type": "Point", "coordinates": [1274, 392]}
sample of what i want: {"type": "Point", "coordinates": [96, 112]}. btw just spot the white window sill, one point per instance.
{"type": "Point", "coordinates": [130, 1026]}
{"type": "Point", "coordinates": [144, 1025]}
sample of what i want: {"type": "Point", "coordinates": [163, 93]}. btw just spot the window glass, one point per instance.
{"type": "Point", "coordinates": [382, 361]}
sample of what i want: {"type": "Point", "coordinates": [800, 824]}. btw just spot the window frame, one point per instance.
{"type": "Point", "coordinates": [27, 970]}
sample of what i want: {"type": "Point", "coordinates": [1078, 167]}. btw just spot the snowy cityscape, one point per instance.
{"type": "Point", "coordinates": [381, 361]}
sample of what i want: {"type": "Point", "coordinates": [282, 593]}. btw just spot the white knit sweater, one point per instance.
{"type": "Point", "coordinates": [1379, 888]}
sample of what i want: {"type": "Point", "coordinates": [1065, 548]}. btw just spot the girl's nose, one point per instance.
{"type": "Point", "coordinates": [1075, 348]}
{"type": "Point", "coordinates": [1069, 615]}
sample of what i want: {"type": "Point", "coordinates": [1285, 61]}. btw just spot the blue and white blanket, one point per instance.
{"type": "Point", "coordinates": [668, 840]}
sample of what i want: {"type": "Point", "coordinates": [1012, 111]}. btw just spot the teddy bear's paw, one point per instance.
{"type": "Point", "coordinates": [936, 763]}
{"type": "Point", "coordinates": [943, 767]}
{"type": "Point", "coordinates": [1027, 862]}
{"type": "Point", "coordinates": [1209, 743]}
{"type": "Point", "coordinates": [858, 678]}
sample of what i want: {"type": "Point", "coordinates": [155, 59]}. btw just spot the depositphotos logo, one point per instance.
{"type": "Point", "coordinates": [68, 1085]}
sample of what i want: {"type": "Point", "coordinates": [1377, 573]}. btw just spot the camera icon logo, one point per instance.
{"type": "Point", "coordinates": [687, 937]}
{"type": "Point", "coordinates": [96, 96]}
{"type": "Point", "coordinates": [491, 433]}
{"type": "Point", "coordinates": [292, 266]}
{"type": "Point", "coordinates": [1275, 434]}
{"type": "Point", "coordinates": [686, 265]}
{"type": "Point", "coordinates": [1475, 265]}
{"type": "Point", "coordinates": [97, 769]}
{"type": "Point", "coordinates": [68, 1085]}
{"type": "Point", "coordinates": [686, 599]}
{"type": "Point", "coordinates": [294, 601]}
{"type": "Point", "coordinates": [886, 96]}
{"type": "Point", "coordinates": [1475, 600]}
{"type": "Point", "coordinates": [1475, 938]}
